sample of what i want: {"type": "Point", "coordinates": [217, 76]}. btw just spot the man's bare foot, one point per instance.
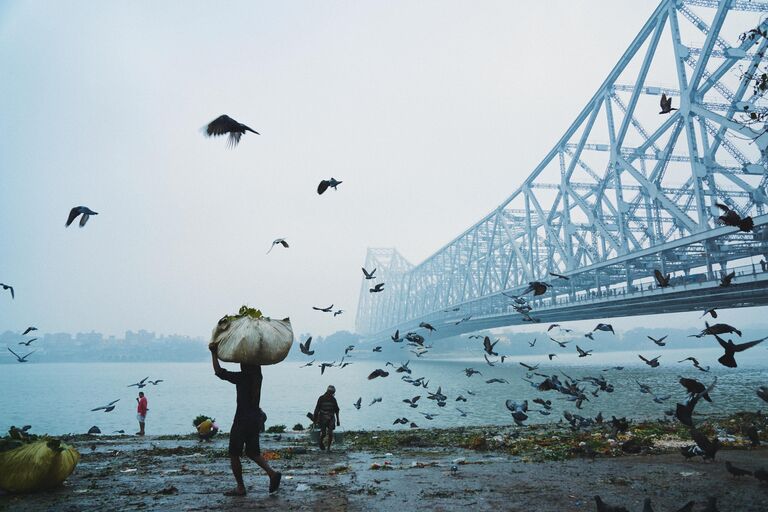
{"type": "Point", "coordinates": [274, 482]}
{"type": "Point", "coordinates": [237, 491]}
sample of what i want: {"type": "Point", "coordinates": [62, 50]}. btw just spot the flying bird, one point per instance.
{"type": "Point", "coordinates": [332, 183]}
{"type": "Point", "coordinates": [412, 401]}
{"type": "Point", "coordinates": [559, 276]}
{"type": "Point", "coordinates": [463, 319]}
{"type": "Point", "coordinates": [716, 329]}
{"type": "Point", "coordinates": [496, 380]}
{"type": "Point", "coordinates": [338, 312]}
{"type": "Point", "coordinates": [369, 275]}
{"type": "Point", "coordinates": [155, 382]}
{"type": "Point", "coordinates": [532, 343]}
{"type": "Point", "coordinates": [550, 356]}
{"type": "Point", "coordinates": [653, 363]}
{"type": "Point", "coordinates": [379, 287]}
{"type": "Point", "coordinates": [711, 311]}
{"type": "Point", "coordinates": [666, 104]}
{"type": "Point", "coordinates": [277, 241]}
{"type": "Point", "coordinates": [427, 326]}
{"type": "Point", "coordinates": [583, 353]}
{"type": "Point", "coordinates": [8, 287]}
{"type": "Point", "coordinates": [396, 337]}
{"type": "Point", "coordinates": [80, 210]}
{"type": "Point", "coordinates": [139, 384]}
{"type": "Point", "coordinates": [537, 287]}
{"type": "Point", "coordinates": [28, 330]}
{"type": "Point", "coordinates": [377, 349]}
{"type": "Point", "coordinates": [304, 347]}
{"type": "Point", "coordinates": [488, 346]}
{"type": "Point", "coordinates": [378, 372]}
{"type": "Point", "coordinates": [604, 327]}
{"type": "Point", "coordinates": [661, 279]}
{"type": "Point", "coordinates": [107, 408]}
{"type": "Point", "coordinates": [731, 348]}
{"type": "Point", "coordinates": [21, 359]}
{"type": "Point", "coordinates": [307, 364]}
{"type": "Point", "coordinates": [660, 341]}
{"type": "Point", "coordinates": [732, 218]}
{"type": "Point", "coordinates": [324, 310]}
{"type": "Point", "coordinates": [726, 279]}
{"type": "Point", "coordinates": [375, 401]}
{"type": "Point", "coordinates": [223, 125]}
{"type": "Point", "coordinates": [401, 421]}
{"type": "Point", "coordinates": [26, 343]}
{"type": "Point", "coordinates": [471, 371]}
{"type": "Point", "coordinates": [358, 403]}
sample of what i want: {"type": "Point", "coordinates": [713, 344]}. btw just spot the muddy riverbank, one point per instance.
{"type": "Point", "coordinates": [487, 468]}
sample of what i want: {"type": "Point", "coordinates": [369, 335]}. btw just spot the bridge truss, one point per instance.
{"type": "Point", "coordinates": [623, 192]}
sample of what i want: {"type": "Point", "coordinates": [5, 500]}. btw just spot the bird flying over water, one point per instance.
{"type": "Point", "coordinates": [324, 310]}
{"type": "Point", "coordinates": [358, 403]}
{"type": "Point", "coordinates": [378, 372]}
{"type": "Point", "coordinates": [20, 359]}
{"type": "Point", "coordinates": [653, 363]}
{"type": "Point", "coordinates": [412, 401]}
{"type": "Point", "coordinates": [26, 343]}
{"type": "Point", "coordinates": [325, 184]}
{"type": "Point", "coordinates": [107, 408]}
{"type": "Point", "coordinates": [223, 125]}
{"type": "Point", "coordinates": [731, 348]}
{"type": "Point", "coordinates": [139, 384]}
{"type": "Point", "coordinates": [28, 330]}
{"type": "Point", "coordinates": [559, 276]}
{"type": "Point", "coordinates": [280, 241]}
{"type": "Point", "coordinates": [369, 275]}
{"type": "Point", "coordinates": [583, 353]}
{"type": "Point", "coordinates": [660, 341]}
{"type": "Point", "coordinates": [80, 210]}
{"type": "Point", "coordinates": [396, 337]}
{"type": "Point", "coordinates": [666, 104]}
{"type": "Point", "coordinates": [10, 288]}
{"type": "Point", "coordinates": [711, 311]}
{"type": "Point", "coordinates": [716, 329]}
{"type": "Point", "coordinates": [488, 346]}
{"type": "Point", "coordinates": [604, 327]}
{"type": "Point", "coordinates": [304, 347]}
{"type": "Point", "coordinates": [155, 382]}
{"type": "Point", "coordinates": [375, 401]}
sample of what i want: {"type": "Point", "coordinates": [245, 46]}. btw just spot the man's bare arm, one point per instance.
{"type": "Point", "coordinates": [215, 360]}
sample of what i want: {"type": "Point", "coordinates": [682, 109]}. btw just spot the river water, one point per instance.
{"type": "Point", "coordinates": [56, 398]}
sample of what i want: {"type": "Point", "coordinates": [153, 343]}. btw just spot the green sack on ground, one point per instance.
{"type": "Point", "coordinates": [36, 466]}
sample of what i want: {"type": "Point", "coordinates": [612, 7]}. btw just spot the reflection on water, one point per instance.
{"type": "Point", "coordinates": [57, 398]}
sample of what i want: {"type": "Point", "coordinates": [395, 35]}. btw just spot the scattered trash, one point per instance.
{"type": "Point", "coordinates": [302, 488]}
{"type": "Point", "coordinates": [129, 470]}
{"type": "Point", "coordinates": [386, 465]}
{"type": "Point", "coordinates": [168, 490]}
{"type": "Point", "coordinates": [460, 460]}
{"type": "Point", "coordinates": [689, 473]}
{"type": "Point", "coordinates": [270, 455]}
{"type": "Point", "coordinates": [338, 469]}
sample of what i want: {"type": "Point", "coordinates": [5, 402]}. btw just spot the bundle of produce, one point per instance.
{"type": "Point", "coordinates": [251, 338]}
{"type": "Point", "coordinates": [35, 465]}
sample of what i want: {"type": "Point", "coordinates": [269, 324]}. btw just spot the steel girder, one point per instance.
{"type": "Point", "coordinates": [612, 192]}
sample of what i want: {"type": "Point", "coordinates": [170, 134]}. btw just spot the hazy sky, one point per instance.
{"type": "Point", "coordinates": [431, 112]}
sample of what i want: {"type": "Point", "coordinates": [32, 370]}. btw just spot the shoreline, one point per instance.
{"type": "Point", "coordinates": [497, 468]}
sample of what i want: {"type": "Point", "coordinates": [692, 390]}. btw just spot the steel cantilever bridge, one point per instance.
{"type": "Point", "coordinates": [625, 191]}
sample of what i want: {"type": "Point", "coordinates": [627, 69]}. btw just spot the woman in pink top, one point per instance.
{"type": "Point", "coordinates": [141, 412]}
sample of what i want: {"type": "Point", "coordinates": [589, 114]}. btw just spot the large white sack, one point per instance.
{"type": "Point", "coordinates": [251, 338]}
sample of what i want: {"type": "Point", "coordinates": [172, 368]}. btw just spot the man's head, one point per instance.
{"type": "Point", "coordinates": [141, 394]}
{"type": "Point", "coordinates": [331, 390]}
